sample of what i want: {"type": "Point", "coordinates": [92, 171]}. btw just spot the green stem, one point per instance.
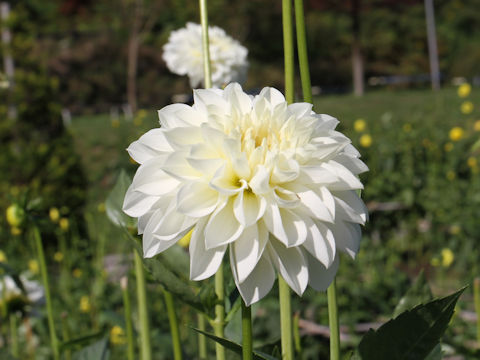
{"type": "Point", "coordinates": [333, 321]}
{"type": "Point", "coordinates": [296, 335]}
{"type": "Point", "coordinates": [172, 318]}
{"type": "Point", "coordinates": [128, 318]}
{"type": "Point", "coordinates": [142, 308]}
{"type": "Point", "coordinates": [67, 354]}
{"type": "Point", "coordinates": [247, 344]}
{"type": "Point", "coordinates": [302, 51]}
{"type": "Point", "coordinates": [285, 319]}
{"type": "Point", "coordinates": [205, 45]}
{"type": "Point", "coordinates": [476, 299]}
{"type": "Point", "coordinates": [219, 312]}
{"type": "Point", "coordinates": [13, 335]}
{"type": "Point", "coordinates": [288, 50]}
{"type": "Point", "coordinates": [202, 340]}
{"type": "Point", "coordinates": [48, 299]}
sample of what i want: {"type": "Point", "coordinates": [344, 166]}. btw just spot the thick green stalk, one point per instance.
{"type": "Point", "coordinates": [219, 321]}
{"type": "Point", "coordinates": [202, 340]}
{"type": "Point", "coordinates": [288, 50]}
{"type": "Point", "coordinates": [285, 319]}
{"type": "Point", "coordinates": [333, 321]}
{"type": "Point", "coordinates": [128, 318]}
{"type": "Point", "coordinates": [48, 298]}
{"type": "Point", "coordinates": [146, 351]}
{"type": "Point", "coordinates": [205, 44]}
{"type": "Point", "coordinates": [476, 299]}
{"type": "Point", "coordinates": [14, 335]}
{"type": "Point", "coordinates": [172, 318]}
{"type": "Point", "coordinates": [296, 335]}
{"type": "Point", "coordinates": [247, 343]}
{"type": "Point", "coordinates": [302, 51]}
{"type": "Point", "coordinates": [67, 354]}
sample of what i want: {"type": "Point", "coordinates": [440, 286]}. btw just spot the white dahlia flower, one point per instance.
{"type": "Point", "coordinates": [184, 55]}
{"type": "Point", "coordinates": [272, 184]}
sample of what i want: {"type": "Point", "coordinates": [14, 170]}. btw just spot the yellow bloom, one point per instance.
{"type": "Point", "coordinates": [77, 273]}
{"type": "Point", "coordinates": [115, 123]}
{"type": "Point", "coordinates": [33, 266]}
{"type": "Point", "coordinates": [85, 304]}
{"type": "Point", "coordinates": [407, 127]}
{"type": "Point", "coordinates": [456, 133]}
{"type": "Point", "coordinates": [365, 140]}
{"type": "Point", "coordinates": [476, 125]}
{"type": "Point", "coordinates": [448, 147]}
{"type": "Point", "coordinates": [101, 207]}
{"type": "Point", "coordinates": [435, 262]}
{"type": "Point", "coordinates": [54, 214]}
{"type": "Point", "coordinates": [15, 215]}
{"type": "Point", "coordinates": [185, 241]}
{"type": "Point", "coordinates": [472, 162]}
{"type": "Point", "coordinates": [3, 257]}
{"type": "Point", "coordinates": [360, 125]}
{"type": "Point", "coordinates": [447, 257]}
{"type": "Point", "coordinates": [451, 175]}
{"type": "Point", "coordinates": [64, 224]}
{"type": "Point", "coordinates": [15, 231]}
{"type": "Point", "coordinates": [455, 229]}
{"type": "Point", "coordinates": [117, 335]}
{"type": "Point", "coordinates": [58, 256]}
{"type": "Point", "coordinates": [464, 90]}
{"type": "Point", "coordinates": [466, 107]}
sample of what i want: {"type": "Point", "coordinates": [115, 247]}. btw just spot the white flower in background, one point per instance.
{"type": "Point", "coordinates": [272, 184]}
{"type": "Point", "coordinates": [33, 289]}
{"type": "Point", "coordinates": [184, 55]}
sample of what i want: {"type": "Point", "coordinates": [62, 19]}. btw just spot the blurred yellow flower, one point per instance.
{"type": "Point", "coordinates": [455, 229]}
{"type": "Point", "coordinates": [3, 257]}
{"type": "Point", "coordinates": [435, 262]}
{"type": "Point", "coordinates": [185, 241]}
{"type": "Point", "coordinates": [117, 335]}
{"type": "Point", "coordinates": [101, 207]}
{"type": "Point", "coordinates": [456, 133]}
{"type": "Point", "coordinates": [464, 90]}
{"type": "Point", "coordinates": [33, 266]}
{"type": "Point", "coordinates": [85, 304]}
{"type": "Point", "coordinates": [365, 140]}
{"type": "Point", "coordinates": [64, 224]}
{"type": "Point", "coordinates": [15, 215]}
{"type": "Point", "coordinates": [58, 256]}
{"type": "Point", "coordinates": [115, 123]}
{"type": "Point", "coordinates": [448, 147]}
{"type": "Point", "coordinates": [77, 273]}
{"type": "Point", "coordinates": [476, 125]}
{"type": "Point", "coordinates": [54, 214]}
{"type": "Point", "coordinates": [451, 175]}
{"type": "Point", "coordinates": [472, 162]}
{"type": "Point", "coordinates": [15, 231]}
{"type": "Point", "coordinates": [360, 125]}
{"type": "Point", "coordinates": [407, 127]}
{"type": "Point", "coordinates": [447, 257]}
{"type": "Point", "coordinates": [466, 107]}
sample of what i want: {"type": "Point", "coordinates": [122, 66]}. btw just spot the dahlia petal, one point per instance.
{"type": "Point", "coordinates": [285, 170]}
{"type": "Point", "coordinates": [248, 208]}
{"type": "Point", "coordinates": [247, 250]}
{"type": "Point", "coordinates": [300, 109]}
{"type": "Point", "coordinates": [291, 264]}
{"type": "Point", "coordinates": [169, 118]}
{"type": "Point", "coordinates": [260, 181]}
{"type": "Point", "coordinates": [272, 95]}
{"type": "Point", "coordinates": [237, 158]}
{"type": "Point", "coordinates": [285, 225]}
{"type": "Point", "coordinates": [151, 144]}
{"type": "Point", "coordinates": [354, 164]}
{"type": "Point", "coordinates": [260, 281]}
{"type": "Point", "coordinates": [136, 204]}
{"type": "Point", "coordinates": [180, 137]}
{"type": "Point", "coordinates": [320, 277]}
{"type": "Point", "coordinates": [348, 236]}
{"type": "Point", "coordinates": [320, 242]}
{"type": "Point", "coordinates": [196, 199]}
{"type": "Point", "coordinates": [238, 98]}
{"type": "Point", "coordinates": [222, 227]}
{"type": "Point", "coordinates": [150, 179]}
{"type": "Point", "coordinates": [212, 100]}
{"type": "Point", "coordinates": [203, 262]}
{"type": "Point", "coordinates": [177, 165]}
{"type": "Point", "coordinates": [172, 224]}
{"type": "Point", "coordinates": [225, 182]}
{"type": "Point", "coordinates": [316, 206]}
{"type": "Point", "coordinates": [350, 207]}
{"type": "Point", "coordinates": [346, 180]}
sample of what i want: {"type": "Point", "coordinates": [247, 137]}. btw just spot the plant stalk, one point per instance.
{"type": "Point", "coordinates": [302, 51]}
{"type": "Point", "coordinates": [476, 299]}
{"type": "Point", "coordinates": [202, 340]}
{"type": "Point", "coordinates": [48, 298]}
{"type": "Point", "coordinates": [288, 50]}
{"type": "Point", "coordinates": [296, 335]}
{"type": "Point", "coordinates": [146, 352]}
{"type": "Point", "coordinates": [285, 319]}
{"type": "Point", "coordinates": [205, 44]}
{"type": "Point", "coordinates": [333, 321]}
{"type": "Point", "coordinates": [128, 319]}
{"type": "Point", "coordinates": [219, 321]}
{"type": "Point", "coordinates": [14, 335]}
{"type": "Point", "coordinates": [247, 343]}
{"type": "Point", "coordinates": [67, 354]}
{"type": "Point", "coordinates": [172, 318]}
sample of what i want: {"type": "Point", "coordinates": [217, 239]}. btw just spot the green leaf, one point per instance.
{"type": "Point", "coordinates": [235, 347]}
{"type": "Point", "coordinates": [114, 202]}
{"type": "Point", "coordinates": [436, 353]}
{"type": "Point", "coordinates": [81, 340]}
{"type": "Point", "coordinates": [419, 293]}
{"type": "Point", "coordinates": [413, 334]}
{"type": "Point", "coordinates": [96, 351]}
